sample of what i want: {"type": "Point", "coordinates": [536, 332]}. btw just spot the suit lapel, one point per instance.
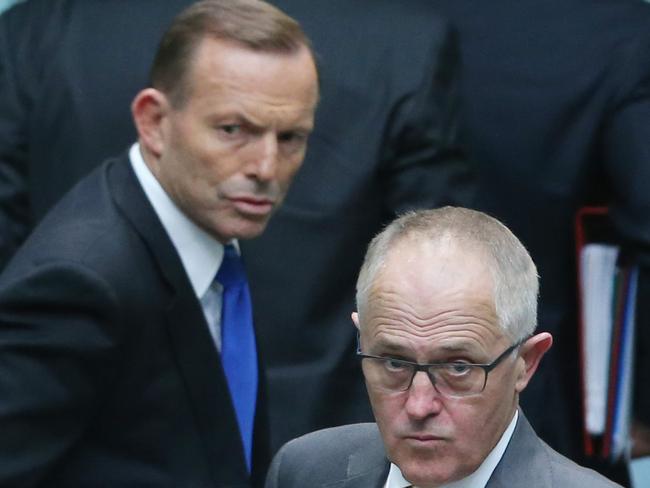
{"type": "Point", "coordinates": [197, 359]}
{"type": "Point", "coordinates": [200, 367]}
{"type": "Point", "coordinates": [524, 463]}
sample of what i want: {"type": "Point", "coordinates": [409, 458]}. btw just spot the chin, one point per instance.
{"type": "Point", "coordinates": [237, 230]}
{"type": "Point", "coordinates": [431, 473]}
{"type": "Point", "coordinates": [426, 479]}
{"type": "Point", "coordinates": [251, 230]}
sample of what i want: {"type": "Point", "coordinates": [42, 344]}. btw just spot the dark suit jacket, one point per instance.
{"type": "Point", "coordinates": [108, 373]}
{"type": "Point", "coordinates": [556, 98]}
{"type": "Point", "coordinates": [353, 457]}
{"type": "Point", "coordinates": [385, 141]}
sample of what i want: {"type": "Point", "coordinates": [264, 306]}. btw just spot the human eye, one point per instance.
{"type": "Point", "coordinates": [292, 139]}
{"type": "Point", "coordinates": [229, 129]}
{"type": "Point", "coordinates": [395, 365]}
{"type": "Point", "coordinates": [458, 368]}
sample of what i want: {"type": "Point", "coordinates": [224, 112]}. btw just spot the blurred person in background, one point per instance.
{"type": "Point", "coordinates": [556, 111]}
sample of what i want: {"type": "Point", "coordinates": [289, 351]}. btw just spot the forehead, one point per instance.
{"type": "Point", "coordinates": [432, 295]}
{"type": "Point", "coordinates": [223, 67]}
{"type": "Point", "coordinates": [426, 269]}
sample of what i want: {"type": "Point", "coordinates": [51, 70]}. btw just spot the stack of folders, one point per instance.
{"type": "Point", "coordinates": [607, 297]}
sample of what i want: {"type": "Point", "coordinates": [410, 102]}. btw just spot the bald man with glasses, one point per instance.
{"type": "Point", "coordinates": [450, 293]}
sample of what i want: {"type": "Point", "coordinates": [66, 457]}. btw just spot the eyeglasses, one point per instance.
{"type": "Point", "coordinates": [455, 379]}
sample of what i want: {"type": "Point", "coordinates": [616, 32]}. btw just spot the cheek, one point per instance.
{"type": "Point", "coordinates": [206, 160]}
{"type": "Point", "coordinates": [479, 426]}
{"type": "Point", "coordinates": [211, 169]}
{"type": "Point", "coordinates": [471, 414]}
{"type": "Point", "coordinates": [388, 411]}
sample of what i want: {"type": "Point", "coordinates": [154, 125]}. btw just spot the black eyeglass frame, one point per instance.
{"type": "Point", "coordinates": [426, 367]}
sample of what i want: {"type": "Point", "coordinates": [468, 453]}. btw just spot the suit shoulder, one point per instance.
{"type": "Point", "coordinates": [529, 461]}
{"type": "Point", "coordinates": [322, 456]}
{"type": "Point", "coordinates": [84, 227]}
{"type": "Point", "coordinates": [565, 472]}
{"type": "Point", "coordinates": [349, 436]}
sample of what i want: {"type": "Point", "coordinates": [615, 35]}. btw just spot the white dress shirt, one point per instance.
{"type": "Point", "coordinates": [200, 253]}
{"type": "Point", "coordinates": [478, 479]}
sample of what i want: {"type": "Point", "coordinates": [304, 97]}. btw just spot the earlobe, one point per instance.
{"type": "Point", "coordinates": [531, 354]}
{"type": "Point", "coordinates": [149, 109]}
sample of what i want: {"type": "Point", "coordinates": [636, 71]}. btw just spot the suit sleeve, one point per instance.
{"type": "Point", "coordinates": [13, 135]}
{"type": "Point", "coordinates": [293, 466]}
{"type": "Point", "coordinates": [273, 476]}
{"type": "Point", "coordinates": [423, 165]}
{"type": "Point", "coordinates": [626, 142]}
{"type": "Point", "coordinates": [58, 357]}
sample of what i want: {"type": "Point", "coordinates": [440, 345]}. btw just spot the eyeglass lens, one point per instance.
{"type": "Point", "coordinates": [449, 379]}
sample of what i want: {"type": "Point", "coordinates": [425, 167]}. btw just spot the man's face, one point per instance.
{"type": "Point", "coordinates": [435, 305]}
{"type": "Point", "coordinates": [230, 151]}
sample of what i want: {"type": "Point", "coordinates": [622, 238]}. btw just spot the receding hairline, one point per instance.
{"type": "Point", "coordinates": [448, 245]}
{"type": "Point", "coordinates": [250, 24]}
{"type": "Point", "coordinates": [514, 274]}
{"type": "Point", "coordinates": [192, 68]}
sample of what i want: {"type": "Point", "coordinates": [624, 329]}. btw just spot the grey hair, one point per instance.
{"type": "Point", "coordinates": [514, 275]}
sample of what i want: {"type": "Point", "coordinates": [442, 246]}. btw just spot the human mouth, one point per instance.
{"type": "Point", "coordinates": [250, 205]}
{"type": "Point", "coordinates": [424, 439]}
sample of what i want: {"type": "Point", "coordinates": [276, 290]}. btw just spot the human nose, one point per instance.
{"type": "Point", "coordinates": [423, 399]}
{"type": "Point", "coordinates": [263, 163]}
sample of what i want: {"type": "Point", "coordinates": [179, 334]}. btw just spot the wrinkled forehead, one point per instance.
{"type": "Point", "coordinates": [427, 298]}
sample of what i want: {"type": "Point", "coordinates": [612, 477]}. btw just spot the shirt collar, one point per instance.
{"type": "Point", "coordinates": [479, 478]}
{"type": "Point", "coordinates": [200, 253]}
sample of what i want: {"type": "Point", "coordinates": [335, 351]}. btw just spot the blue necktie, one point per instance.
{"type": "Point", "coordinates": [238, 355]}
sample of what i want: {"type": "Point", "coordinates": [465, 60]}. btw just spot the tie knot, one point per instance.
{"type": "Point", "coordinates": [231, 271]}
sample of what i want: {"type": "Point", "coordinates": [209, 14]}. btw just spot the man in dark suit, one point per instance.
{"type": "Point", "coordinates": [556, 103]}
{"type": "Point", "coordinates": [447, 303]}
{"type": "Point", "coordinates": [126, 358]}
{"type": "Point", "coordinates": [385, 141]}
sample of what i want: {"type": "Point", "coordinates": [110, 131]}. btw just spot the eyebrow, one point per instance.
{"type": "Point", "coordinates": [390, 347]}
{"type": "Point", "coordinates": [384, 347]}
{"type": "Point", "coordinates": [393, 348]}
{"type": "Point", "coordinates": [304, 124]}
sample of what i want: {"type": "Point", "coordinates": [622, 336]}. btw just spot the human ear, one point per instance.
{"type": "Point", "coordinates": [355, 319]}
{"type": "Point", "coordinates": [531, 353]}
{"type": "Point", "coordinates": [150, 108]}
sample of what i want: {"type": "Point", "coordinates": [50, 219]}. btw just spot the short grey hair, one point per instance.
{"type": "Point", "coordinates": [514, 275]}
